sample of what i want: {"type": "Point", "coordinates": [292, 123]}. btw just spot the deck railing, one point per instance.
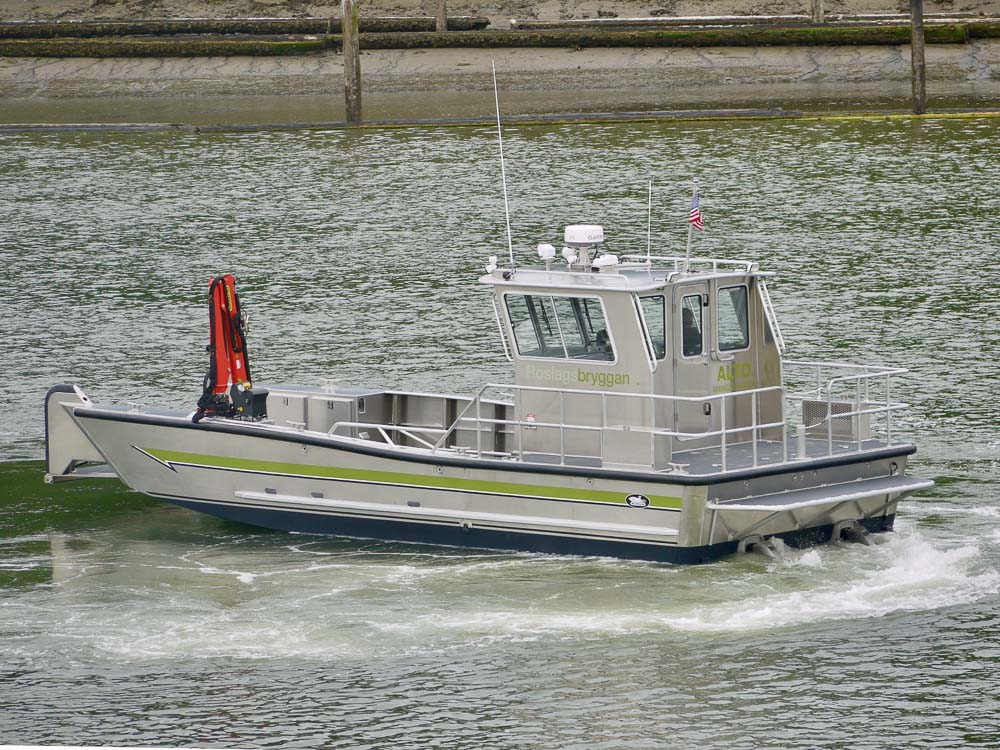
{"type": "Point", "coordinates": [829, 383]}
{"type": "Point", "coordinates": [680, 262]}
{"type": "Point", "coordinates": [851, 395]}
{"type": "Point", "coordinates": [724, 432]}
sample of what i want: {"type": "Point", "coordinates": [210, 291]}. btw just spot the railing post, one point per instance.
{"type": "Point", "coordinates": [352, 59]}
{"type": "Point", "coordinates": [604, 422]}
{"type": "Point", "coordinates": [562, 428]}
{"type": "Point", "coordinates": [753, 423]}
{"type": "Point", "coordinates": [652, 433]}
{"type": "Point", "coordinates": [442, 16]}
{"type": "Point", "coordinates": [888, 413]}
{"type": "Point", "coordinates": [479, 428]}
{"type": "Point", "coordinates": [829, 421]}
{"type": "Point", "coordinates": [722, 403]}
{"type": "Point", "coordinates": [917, 62]}
{"type": "Point", "coordinates": [857, 408]}
{"type": "Point", "coordinates": [784, 425]}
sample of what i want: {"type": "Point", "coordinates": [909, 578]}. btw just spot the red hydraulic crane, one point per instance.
{"type": "Point", "coordinates": [227, 389]}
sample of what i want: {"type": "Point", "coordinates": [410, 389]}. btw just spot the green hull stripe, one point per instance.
{"type": "Point", "coordinates": [391, 477]}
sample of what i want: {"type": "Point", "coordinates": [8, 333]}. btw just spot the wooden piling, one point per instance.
{"type": "Point", "coordinates": [917, 57]}
{"type": "Point", "coordinates": [442, 15]}
{"type": "Point", "coordinates": [352, 60]}
{"type": "Point", "coordinates": [817, 11]}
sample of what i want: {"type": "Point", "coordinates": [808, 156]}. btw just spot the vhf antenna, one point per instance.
{"type": "Point", "coordinates": [503, 169]}
{"type": "Point", "coordinates": [649, 225]}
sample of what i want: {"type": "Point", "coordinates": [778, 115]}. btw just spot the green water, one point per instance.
{"type": "Point", "coordinates": [123, 620]}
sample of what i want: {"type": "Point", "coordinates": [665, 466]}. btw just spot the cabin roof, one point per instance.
{"type": "Point", "coordinates": [629, 276]}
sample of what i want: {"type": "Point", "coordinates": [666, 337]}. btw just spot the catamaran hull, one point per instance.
{"type": "Point", "coordinates": [317, 484]}
{"type": "Point", "coordinates": [479, 538]}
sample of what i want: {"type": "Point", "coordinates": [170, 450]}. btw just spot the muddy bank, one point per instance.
{"type": "Point", "coordinates": [458, 70]}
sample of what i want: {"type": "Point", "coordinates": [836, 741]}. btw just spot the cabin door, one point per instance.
{"type": "Point", "coordinates": [689, 331]}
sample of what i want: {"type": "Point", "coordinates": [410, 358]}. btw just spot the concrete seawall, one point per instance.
{"type": "Point", "coordinates": [459, 70]}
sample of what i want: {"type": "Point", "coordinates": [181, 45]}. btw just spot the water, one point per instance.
{"type": "Point", "coordinates": [123, 620]}
{"type": "Point", "coordinates": [384, 105]}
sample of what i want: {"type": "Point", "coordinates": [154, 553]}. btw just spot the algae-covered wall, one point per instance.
{"type": "Point", "coordinates": [577, 39]}
{"type": "Point", "coordinates": [499, 11]}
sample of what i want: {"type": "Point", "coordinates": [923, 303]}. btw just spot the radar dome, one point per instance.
{"type": "Point", "coordinates": [584, 235]}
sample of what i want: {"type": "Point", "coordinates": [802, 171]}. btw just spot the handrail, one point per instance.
{"type": "Point", "coordinates": [745, 265]}
{"type": "Point", "coordinates": [731, 426]}
{"type": "Point", "coordinates": [772, 317]}
{"type": "Point", "coordinates": [724, 431]}
{"type": "Point", "coordinates": [407, 431]}
{"type": "Point", "coordinates": [629, 394]}
{"type": "Point", "coordinates": [861, 376]}
{"type": "Point", "coordinates": [503, 334]}
{"type": "Point", "coordinates": [475, 400]}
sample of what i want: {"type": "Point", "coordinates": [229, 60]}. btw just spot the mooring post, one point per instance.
{"type": "Point", "coordinates": [442, 15]}
{"type": "Point", "coordinates": [917, 57]}
{"type": "Point", "coordinates": [817, 11]}
{"type": "Point", "coordinates": [352, 59]}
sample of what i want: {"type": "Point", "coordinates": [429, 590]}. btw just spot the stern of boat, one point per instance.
{"type": "Point", "coordinates": [804, 506]}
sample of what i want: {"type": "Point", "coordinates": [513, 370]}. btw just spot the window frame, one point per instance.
{"type": "Point", "coordinates": [517, 348]}
{"type": "Point", "coordinates": [718, 339]}
{"type": "Point", "coordinates": [701, 315]}
{"type": "Point", "coordinates": [663, 322]}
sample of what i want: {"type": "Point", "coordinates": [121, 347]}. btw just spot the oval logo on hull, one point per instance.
{"type": "Point", "coordinates": [637, 501]}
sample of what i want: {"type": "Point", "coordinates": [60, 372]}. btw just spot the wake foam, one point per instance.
{"type": "Point", "coordinates": [380, 606]}
{"type": "Point", "coordinates": [905, 573]}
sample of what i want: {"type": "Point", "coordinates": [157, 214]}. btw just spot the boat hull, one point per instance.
{"type": "Point", "coordinates": [479, 538]}
{"type": "Point", "coordinates": [310, 483]}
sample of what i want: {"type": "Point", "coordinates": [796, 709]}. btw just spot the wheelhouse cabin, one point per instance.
{"type": "Point", "coordinates": [641, 354]}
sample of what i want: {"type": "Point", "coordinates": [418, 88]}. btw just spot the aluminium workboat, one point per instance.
{"type": "Point", "coordinates": [652, 415]}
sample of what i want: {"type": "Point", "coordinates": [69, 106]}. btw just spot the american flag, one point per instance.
{"type": "Point", "coordinates": [694, 218]}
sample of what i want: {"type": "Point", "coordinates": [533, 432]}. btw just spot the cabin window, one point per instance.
{"type": "Point", "coordinates": [691, 326]}
{"type": "Point", "coordinates": [559, 327]}
{"type": "Point", "coordinates": [652, 311]}
{"type": "Point", "coordinates": [733, 326]}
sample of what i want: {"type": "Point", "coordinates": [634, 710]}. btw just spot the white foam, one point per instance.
{"type": "Point", "coordinates": [907, 573]}
{"type": "Point", "coordinates": [919, 577]}
{"type": "Point", "coordinates": [808, 559]}
{"type": "Point", "coordinates": [24, 539]}
{"type": "Point", "coordinates": [985, 511]}
{"type": "Point", "coordinates": [327, 609]}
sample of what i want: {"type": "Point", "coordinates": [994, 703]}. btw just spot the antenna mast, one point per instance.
{"type": "Point", "coordinates": [503, 169]}
{"type": "Point", "coordinates": [649, 225]}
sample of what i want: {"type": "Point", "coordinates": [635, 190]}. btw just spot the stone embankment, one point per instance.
{"type": "Point", "coordinates": [302, 55]}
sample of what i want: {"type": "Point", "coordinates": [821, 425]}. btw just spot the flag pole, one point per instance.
{"type": "Point", "coordinates": [687, 255]}
{"type": "Point", "coordinates": [649, 225]}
